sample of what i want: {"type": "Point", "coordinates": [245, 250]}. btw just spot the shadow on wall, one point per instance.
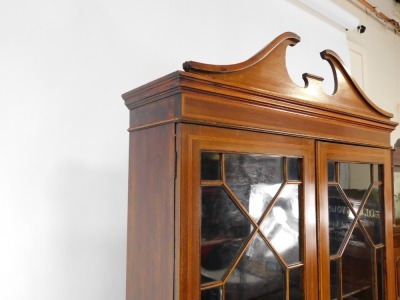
{"type": "Point", "coordinates": [88, 243]}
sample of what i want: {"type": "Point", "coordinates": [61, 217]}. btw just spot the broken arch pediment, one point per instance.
{"type": "Point", "coordinates": [267, 71]}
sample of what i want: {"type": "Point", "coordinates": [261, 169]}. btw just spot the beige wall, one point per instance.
{"type": "Point", "coordinates": [375, 57]}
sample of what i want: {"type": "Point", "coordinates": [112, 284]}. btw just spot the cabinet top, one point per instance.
{"type": "Point", "coordinates": [263, 80]}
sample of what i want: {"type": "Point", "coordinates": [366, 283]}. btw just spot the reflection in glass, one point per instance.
{"type": "Point", "coordinates": [334, 269]}
{"type": "Point", "coordinates": [354, 176]}
{"type": "Point", "coordinates": [211, 294]}
{"type": "Point", "coordinates": [293, 168]}
{"type": "Point", "coordinates": [254, 179]}
{"type": "Point", "coordinates": [355, 180]}
{"type": "Point", "coordinates": [380, 256]}
{"type": "Point", "coordinates": [258, 275]}
{"type": "Point", "coordinates": [261, 184]}
{"type": "Point", "coordinates": [260, 197]}
{"type": "Point", "coordinates": [340, 219]}
{"type": "Point", "coordinates": [224, 229]}
{"type": "Point", "coordinates": [331, 171]}
{"type": "Point", "coordinates": [357, 262]}
{"type": "Point", "coordinates": [355, 197]}
{"type": "Point", "coordinates": [357, 273]}
{"type": "Point", "coordinates": [281, 226]}
{"type": "Point", "coordinates": [210, 166]}
{"type": "Point", "coordinates": [371, 216]}
{"type": "Point", "coordinates": [376, 174]}
{"type": "Point", "coordinates": [296, 280]}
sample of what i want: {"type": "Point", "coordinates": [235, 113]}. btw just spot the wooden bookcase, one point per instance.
{"type": "Point", "coordinates": [243, 185]}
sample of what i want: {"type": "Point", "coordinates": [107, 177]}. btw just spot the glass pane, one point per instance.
{"type": "Point", "coordinates": [340, 219]}
{"type": "Point", "coordinates": [210, 166]}
{"type": "Point", "coordinates": [371, 216]}
{"type": "Point", "coordinates": [381, 274]}
{"type": "Point", "coordinates": [355, 197]}
{"type": "Point", "coordinates": [258, 275]}
{"type": "Point", "coordinates": [376, 173]}
{"type": "Point", "coordinates": [334, 268]}
{"type": "Point", "coordinates": [355, 180]}
{"type": "Point", "coordinates": [354, 176]}
{"type": "Point", "coordinates": [357, 267]}
{"type": "Point", "coordinates": [357, 273]}
{"type": "Point", "coordinates": [331, 171]}
{"type": "Point", "coordinates": [294, 168]}
{"type": "Point", "coordinates": [224, 229]}
{"type": "Point", "coordinates": [396, 194]}
{"type": "Point", "coordinates": [296, 283]}
{"type": "Point", "coordinates": [254, 179]}
{"type": "Point", "coordinates": [211, 294]}
{"type": "Point", "coordinates": [281, 226]}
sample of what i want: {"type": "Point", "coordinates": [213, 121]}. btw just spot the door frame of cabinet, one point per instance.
{"type": "Point", "coordinates": [192, 139]}
{"type": "Point", "coordinates": [203, 138]}
{"type": "Point", "coordinates": [350, 153]}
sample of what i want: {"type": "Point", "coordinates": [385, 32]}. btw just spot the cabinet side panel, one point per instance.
{"type": "Point", "coordinates": [150, 261]}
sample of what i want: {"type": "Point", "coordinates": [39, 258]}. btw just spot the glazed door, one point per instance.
{"type": "Point", "coordinates": [249, 216]}
{"type": "Point", "coordinates": [354, 222]}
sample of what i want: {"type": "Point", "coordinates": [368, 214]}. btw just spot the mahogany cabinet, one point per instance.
{"type": "Point", "coordinates": [243, 185]}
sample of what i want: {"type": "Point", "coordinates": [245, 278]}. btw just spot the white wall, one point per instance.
{"type": "Point", "coordinates": [380, 49]}
{"type": "Point", "coordinates": [63, 139]}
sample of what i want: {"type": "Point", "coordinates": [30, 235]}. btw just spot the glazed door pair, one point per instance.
{"type": "Point", "coordinates": [257, 205]}
{"type": "Point", "coordinates": [355, 222]}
